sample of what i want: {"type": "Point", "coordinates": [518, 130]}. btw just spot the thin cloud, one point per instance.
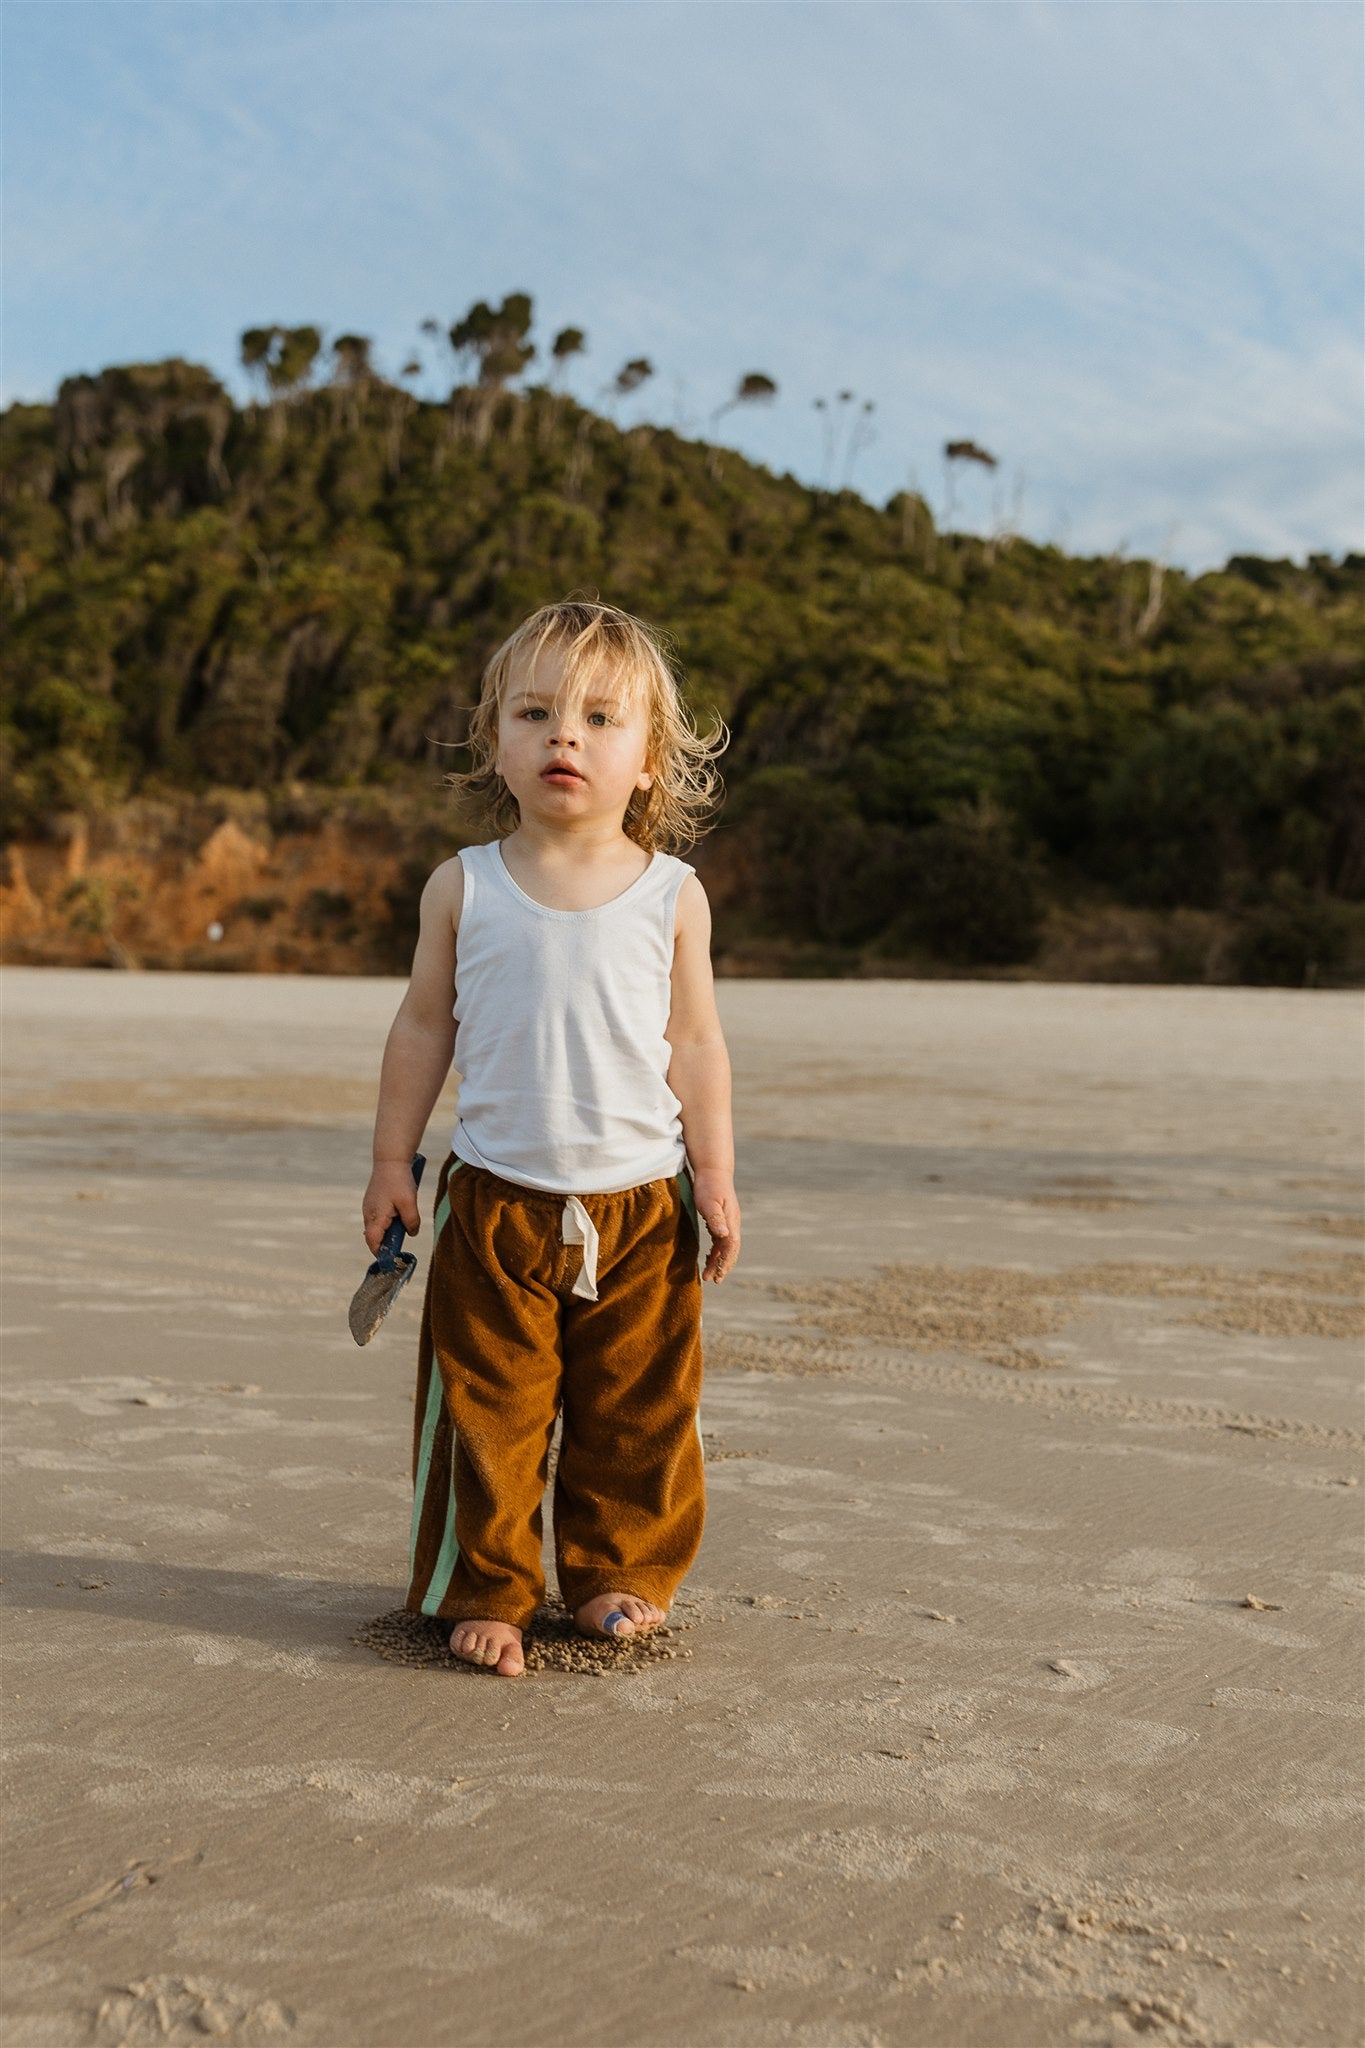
{"type": "Point", "coordinates": [1120, 240]}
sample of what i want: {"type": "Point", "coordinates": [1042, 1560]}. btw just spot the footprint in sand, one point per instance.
{"type": "Point", "coordinates": [188, 2009]}
{"type": "Point", "coordinates": [1075, 1674]}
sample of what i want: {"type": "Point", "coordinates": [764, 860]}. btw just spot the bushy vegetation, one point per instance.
{"type": "Point", "coordinates": [937, 737]}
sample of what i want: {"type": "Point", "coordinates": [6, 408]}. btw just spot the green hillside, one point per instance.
{"type": "Point", "coordinates": [941, 742]}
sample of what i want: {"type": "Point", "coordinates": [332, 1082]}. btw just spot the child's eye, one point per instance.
{"type": "Point", "coordinates": [599, 714]}
{"type": "Point", "coordinates": [535, 711]}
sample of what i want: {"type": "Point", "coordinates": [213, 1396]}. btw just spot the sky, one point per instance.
{"type": "Point", "coordinates": [1116, 243]}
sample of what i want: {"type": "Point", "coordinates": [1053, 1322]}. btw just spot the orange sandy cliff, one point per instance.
{"type": "Point", "coordinates": [145, 888]}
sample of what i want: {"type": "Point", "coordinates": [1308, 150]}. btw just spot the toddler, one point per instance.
{"type": "Point", "coordinates": [594, 1126]}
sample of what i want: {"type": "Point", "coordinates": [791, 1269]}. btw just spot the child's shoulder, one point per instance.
{"type": "Point", "coordinates": [444, 890]}
{"type": "Point", "coordinates": [693, 907]}
{"type": "Point", "coordinates": [448, 885]}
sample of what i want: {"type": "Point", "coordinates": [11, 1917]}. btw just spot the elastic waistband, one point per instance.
{"type": "Point", "coordinates": [517, 1191]}
{"type": "Point", "coordinates": [576, 1225]}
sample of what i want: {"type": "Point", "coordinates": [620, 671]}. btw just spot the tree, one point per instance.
{"type": "Point", "coordinates": [955, 452]}
{"type": "Point", "coordinates": [256, 344]}
{"type": "Point", "coordinates": [353, 363]}
{"type": "Point", "coordinates": [438, 337]}
{"type": "Point", "coordinates": [860, 435]}
{"type": "Point", "coordinates": [282, 358]}
{"type": "Point", "coordinates": [292, 365]}
{"type": "Point", "coordinates": [495, 337]}
{"type": "Point", "coordinates": [753, 389]}
{"type": "Point", "coordinates": [354, 373]}
{"type": "Point", "coordinates": [1156, 579]}
{"type": "Point", "coordinates": [629, 378]}
{"type": "Point", "coordinates": [401, 404]}
{"type": "Point", "coordinates": [570, 341]}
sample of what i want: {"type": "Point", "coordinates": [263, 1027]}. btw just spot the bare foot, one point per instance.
{"type": "Point", "coordinates": [493, 1643]}
{"type": "Point", "coordinates": [617, 1614]}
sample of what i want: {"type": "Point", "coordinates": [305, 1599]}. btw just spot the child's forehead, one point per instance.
{"type": "Point", "coordinates": [546, 674]}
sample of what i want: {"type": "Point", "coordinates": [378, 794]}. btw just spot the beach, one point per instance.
{"type": "Point", "coordinates": [1015, 1696]}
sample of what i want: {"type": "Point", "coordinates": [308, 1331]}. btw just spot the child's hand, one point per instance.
{"type": "Point", "coordinates": [718, 1207]}
{"type": "Point", "coordinates": [391, 1192]}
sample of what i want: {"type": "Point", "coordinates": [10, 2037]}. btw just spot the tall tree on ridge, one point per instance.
{"type": "Point", "coordinates": [861, 435]}
{"type": "Point", "coordinates": [255, 346]}
{"type": "Point", "coordinates": [283, 357]}
{"type": "Point", "coordinates": [496, 339]}
{"type": "Point", "coordinates": [752, 389]}
{"type": "Point", "coordinates": [570, 341]}
{"type": "Point", "coordinates": [628, 378]}
{"type": "Point", "coordinates": [354, 373]}
{"type": "Point", "coordinates": [953, 453]}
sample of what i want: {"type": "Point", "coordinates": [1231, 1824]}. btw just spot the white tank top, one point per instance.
{"type": "Point", "coordinates": [561, 1051]}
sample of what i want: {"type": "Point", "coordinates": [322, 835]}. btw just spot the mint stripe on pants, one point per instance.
{"type": "Point", "coordinates": [506, 1348]}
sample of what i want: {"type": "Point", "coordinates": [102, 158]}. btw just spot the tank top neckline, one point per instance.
{"type": "Point", "coordinates": [549, 909]}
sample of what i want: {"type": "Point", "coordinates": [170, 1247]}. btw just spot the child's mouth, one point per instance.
{"type": "Point", "coordinates": [563, 775]}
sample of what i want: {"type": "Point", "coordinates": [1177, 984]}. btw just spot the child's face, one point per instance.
{"type": "Point", "coordinates": [580, 760]}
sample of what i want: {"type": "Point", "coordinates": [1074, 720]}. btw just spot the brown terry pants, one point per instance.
{"type": "Point", "coordinates": [507, 1344]}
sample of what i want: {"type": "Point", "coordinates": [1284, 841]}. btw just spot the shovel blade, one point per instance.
{"type": "Point", "coordinates": [376, 1294]}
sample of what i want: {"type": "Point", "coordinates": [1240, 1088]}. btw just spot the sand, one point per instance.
{"type": "Point", "coordinates": [1014, 1700]}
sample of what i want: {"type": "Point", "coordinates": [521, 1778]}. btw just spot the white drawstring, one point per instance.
{"type": "Point", "coordinates": [578, 1227]}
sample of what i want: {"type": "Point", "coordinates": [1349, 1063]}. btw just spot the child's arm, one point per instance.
{"type": "Point", "coordinates": [417, 1056]}
{"type": "Point", "coordinates": [699, 1075]}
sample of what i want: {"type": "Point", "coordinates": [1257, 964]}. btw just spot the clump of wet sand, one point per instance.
{"type": "Point", "coordinates": [1331, 1226]}
{"type": "Point", "coordinates": [551, 1643]}
{"type": "Point", "coordinates": [936, 1307]}
{"type": "Point", "coordinates": [187, 2008]}
{"type": "Point", "coordinates": [990, 1310]}
{"type": "Point", "coordinates": [1023, 1358]}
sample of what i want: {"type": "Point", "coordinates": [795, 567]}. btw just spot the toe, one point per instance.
{"type": "Point", "coordinates": [475, 1645]}
{"type": "Point", "coordinates": [617, 1614]}
{"type": "Point", "coordinates": [643, 1613]}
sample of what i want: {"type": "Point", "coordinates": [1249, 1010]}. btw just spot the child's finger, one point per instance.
{"type": "Point", "coordinates": [377, 1221]}
{"type": "Point", "coordinates": [720, 1258]}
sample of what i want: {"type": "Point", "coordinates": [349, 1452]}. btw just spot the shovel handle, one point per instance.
{"type": "Point", "coordinates": [392, 1242]}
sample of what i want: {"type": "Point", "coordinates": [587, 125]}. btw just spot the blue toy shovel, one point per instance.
{"type": "Point", "coordinates": [390, 1272]}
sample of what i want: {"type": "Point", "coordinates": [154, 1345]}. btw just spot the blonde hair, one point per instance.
{"type": "Point", "coordinates": [672, 813]}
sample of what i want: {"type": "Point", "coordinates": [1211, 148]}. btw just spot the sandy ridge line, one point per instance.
{"type": "Point", "coordinates": [745, 1351]}
{"type": "Point", "coordinates": [98, 1255]}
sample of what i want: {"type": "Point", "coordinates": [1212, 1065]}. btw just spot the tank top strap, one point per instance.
{"type": "Point", "coordinates": [667, 875]}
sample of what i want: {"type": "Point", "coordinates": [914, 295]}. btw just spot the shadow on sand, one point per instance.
{"type": "Point", "coordinates": [293, 1614]}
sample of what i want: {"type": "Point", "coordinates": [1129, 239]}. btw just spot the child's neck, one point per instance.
{"type": "Point", "coordinates": [574, 870]}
